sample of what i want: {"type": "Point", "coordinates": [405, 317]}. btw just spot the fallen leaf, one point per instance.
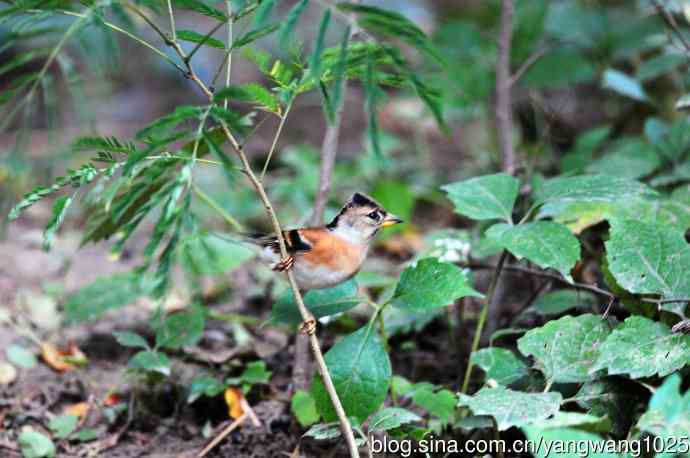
{"type": "Point", "coordinates": [8, 373]}
{"type": "Point", "coordinates": [234, 399]}
{"type": "Point", "coordinates": [62, 359]}
{"type": "Point", "coordinates": [112, 399]}
{"type": "Point", "coordinates": [80, 409]}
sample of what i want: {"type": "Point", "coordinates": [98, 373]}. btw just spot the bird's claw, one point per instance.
{"type": "Point", "coordinates": [285, 264]}
{"type": "Point", "coordinates": [308, 327]}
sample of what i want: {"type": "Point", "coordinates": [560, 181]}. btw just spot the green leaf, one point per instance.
{"type": "Point", "coordinates": [250, 92]}
{"type": "Point", "coordinates": [547, 244]}
{"type": "Point", "coordinates": [439, 403]}
{"type": "Point", "coordinates": [361, 372]}
{"type": "Point", "coordinates": [85, 435]}
{"type": "Point", "coordinates": [324, 431]}
{"type": "Point", "coordinates": [431, 284]}
{"type": "Point", "coordinates": [202, 8]}
{"type": "Point", "coordinates": [631, 158]}
{"type": "Point", "coordinates": [320, 302]}
{"type": "Point", "coordinates": [500, 364]}
{"type": "Point", "coordinates": [683, 103]}
{"type": "Point", "coordinates": [254, 35]}
{"type": "Point", "coordinates": [212, 255]}
{"type": "Point", "coordinates": [204, 385]}
{"type": "Point", "coordinates": [195, 37]}
{"type": "Point", "coordinates": [162, 126]}
{"type": "Point", "coordinates": [334, 104]}
{"type": "Point", "coordinates": [59, 211]}
{"type": "Point", "coordinates": [290, 22]}
{"type": "Point", "coordinates": [668, 415]}
{"type": "Point", "coordinates": [263, 12]}
{"type": "Point", "coordinates": [255, 372]}
{"type": "Point", "coordinates": [641, 347]}
{"type": "Point", "coordinates": [36, 445]}
{"type": "Point", "coordinates": [303, 407]}
{"type": "Point", "coordinates": [512, 408]}
{"type": "Point", "coordinates": [554, 443]}
{"type": "Point", "coordinates": [130, 339]}
{"type": "Point", "coordinates": [624, 85]}
{"type": "Point", "coordinates": [20, 356]}
{"type": "Point", "coordinates": [150, 361]}
{"type": "Point", "coordinates": [562, 300]}
{"type": "Point", "coordinates": [591, 188]}
{"type": "Point", "coordinates": [391, 418]}
{"type": "Point", "coordinates": [485, 197]}
{"type": "Point", "coordinates": [650, 258]}
{"type": "Point", "coordinates": [181, 329]}
{"type": "Point", "coordinates": [104, 294]}
{"type": "Point", "coordinates": [315, 57]}
{"type": "Point", "coordinates": [659, 65]}
{"type": "Point", "coordinates": [63, 425]}
{"type": "Point", "coordinates": [565, 349]}
{"type": "Point", "coordinates": [371, 93]}
{"type": "Point", "coordinates": [576, 420]}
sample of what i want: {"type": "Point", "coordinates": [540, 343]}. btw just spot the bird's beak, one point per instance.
{"type": "Point", "coordinates": [390, 220]}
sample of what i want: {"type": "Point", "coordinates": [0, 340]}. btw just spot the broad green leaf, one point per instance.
{"type": "Point", "coordinates": [36, 445]}
{"type": "Point", "coordinates": [63, 425]}
{"type": "Point", "coordinates": [590, 188]}
{"type": "Point", "coordinates": [559, 68]}
{"type": "Point", "coordinates": [320, 302]}
{"type": "Point", "coordinates": [631, 158]}
{"type": "Point", "coordinates": [391, 418]}
{"type": "Point", "coordinates": [547, 244]}
{"type": "Point", "coordinates": [150, 361]}
{"type": "Point", "coordinates": [500, 364]}
{"type": "Point", "coordinates": [485, 197]}
{"type": "Point", "coordinates": [85, 435]}
{"type": "Point", "coordinates": [565, 349]}
{"type": "Point", "coordinates": [659, 65]}
{"type": "Point", "coordinates": [255, 372]}
{"type": "Point", "coordinates": [555, 443]}
{"type": "Point", "coordinates": [303, 407]}
{"type": "Point", "coordinates": [361, 372]}
{"type": "Point", "coordinates": [641, 347]}
{"type": "Point", "coordinates": [624, 85]}
{"type": "Point", "coordinates": [20, 356]}
{"type": "Point", "coordinates": [195, 37]}
{"type": "Point", "coordinates": [562, 300]}
{"type": "Point", "coordinates": [204, 385]}
{"type": "Point", "coordinates": [576, 420]}
{"type": "Point", "coordinates": [431, 284]}
{"type": "Point", "coordinates": [668, 415]}
{"type": "Point", "coordinates": [438, 403]}
{"type": "Point", "coordinates": [650, 258]}
{"type": "Point", "coordinates": [181, 329]}
{"type": "Point", "coordinates": [130, 339]}
{"type": "Point", "coordinates": [512, 408]}
{"type": "Point", "coordinates": [104, 294]}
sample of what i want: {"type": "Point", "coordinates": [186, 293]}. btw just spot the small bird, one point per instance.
{"type": "Point", "coordinates": [324, 256]}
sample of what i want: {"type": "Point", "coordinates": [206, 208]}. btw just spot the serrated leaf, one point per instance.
{"type": "Point", "coordinates": [591, 188]}
{"type": "Point", "coordinates": [485, 197]}
{"type": "Point", "coordinates": [320, 302]}
{"type": "Point", "coordinates": [668, 415]}
{"type": "Point", "coordinates": [512, 408]}
{"type": "Point", "coordinates": [130, 339]}
{"type": "Point", "coordinates": [150, 361]}
{"type": "Point", "coordinates": [195, 37]}
{"type": "Point", "coordinates": [104, 294]}
{"type": "Point", "coordinates": [391, 418]}
{"type": "Point", "coordinates": [641, 347]}
{"type": "Point", "coordinates": [181, 329]}
{"type": "Point", "coordinates": [565, 349]}
{"type": "Point", "coordinates": [431, 284]}
{"type": "Point", "coordinates": [500, 364]}
{"type": "Point", "coordinates": [650, 258]}
{"type": "Point", "coordinates": [35, 445]}
{"type": "Point", "coordinates": [303, 407]}
{"type": "Point", "coordinates": [624, 85]}
{"type": "Point", "coordinates": [547, 244]}
{"type": "Point", "coordinates": [361, 372]}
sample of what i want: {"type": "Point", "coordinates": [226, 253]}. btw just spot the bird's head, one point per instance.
{"type": "Point", "coordinates": [361, 217]}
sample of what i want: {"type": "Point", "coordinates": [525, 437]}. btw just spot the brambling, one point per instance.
{"type": "Point", "coordinates": [324, 256]}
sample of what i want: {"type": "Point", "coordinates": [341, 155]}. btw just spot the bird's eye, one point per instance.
{"type": "Point", "coordinates": [374, 215]}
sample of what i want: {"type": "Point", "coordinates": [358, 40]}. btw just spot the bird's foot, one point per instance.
{"type": "Point", "coordinates": [308, 327]}
{"type": "Point", "coordinates": [284, 264]}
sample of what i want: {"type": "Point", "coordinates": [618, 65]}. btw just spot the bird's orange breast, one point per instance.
{"type": "Point", "coordinates": [332, 252]}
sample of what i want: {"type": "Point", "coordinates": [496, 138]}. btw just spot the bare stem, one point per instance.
{"type": "Point", "coordinates": [173, 30]}
{"type": "Point", "coordinates": [274, 143]}
{"type": "Point", "coordinates": [504, 122]}
{"type": "Point", "coordinates": [482, 319]}
{"type": "Point", "coordinates": [232, 222]}
{"type": "Point", "coordinates": [228, 59]}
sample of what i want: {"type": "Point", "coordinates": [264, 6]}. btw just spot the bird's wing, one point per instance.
{"type": "Point", "coordinates": [295, 242]}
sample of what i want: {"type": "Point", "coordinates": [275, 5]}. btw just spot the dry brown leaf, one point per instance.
{"type": "Point", "coordinates": [62, 359]}
{"type": "Point", "coordinates": [80, 409]}
{"type": "Point", "coordinates": [234, 399]}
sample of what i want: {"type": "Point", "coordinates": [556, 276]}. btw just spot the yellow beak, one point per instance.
{"type": "Point", "coordinates": [390, 220]}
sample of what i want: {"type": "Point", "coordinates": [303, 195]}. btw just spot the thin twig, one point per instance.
{"type": "Point", "coordinates": [171, 15]}
{"type": "Point", "coordinates": [666, 301]}
{"type": "Point", "coordinates": [527, 64]}
{"type": "Point", "coordinates": [216, 440]}
{"type": "Point", "coordinates": [274, 143]}
{"type": "Point", "coordinates": [228, 59]}
{"type": "Point", "coordinates": [504, 122]}
{"type": "Point", "coordinates": [232, 222]}
{"type": "Point", "coordinates": [482, 319]}
{"type": "Point", "coordinates": [671, 22]}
